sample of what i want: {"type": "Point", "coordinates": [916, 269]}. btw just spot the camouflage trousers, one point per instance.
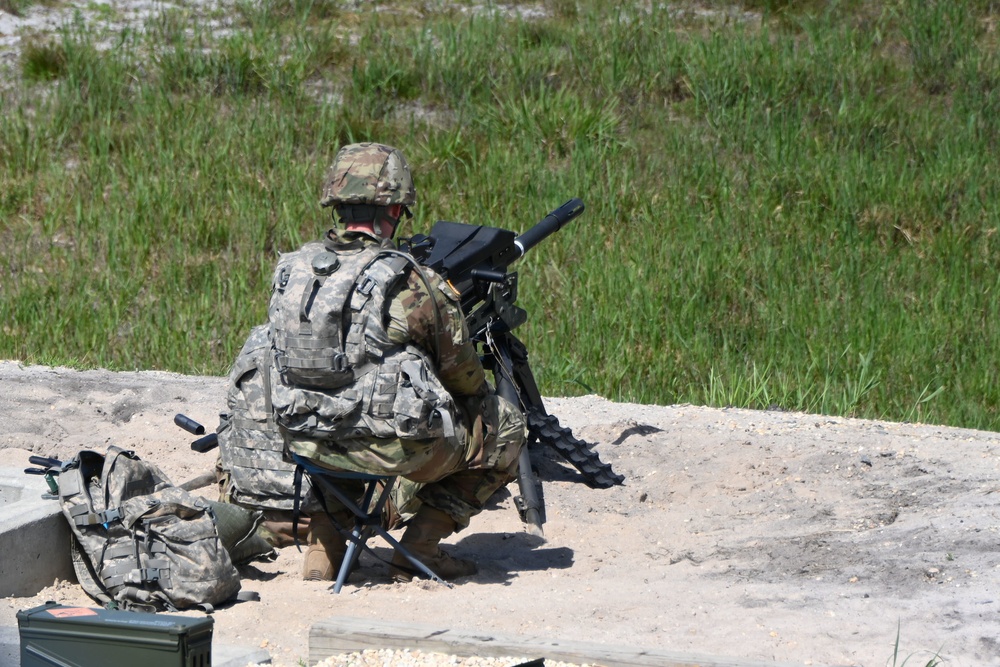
{"type": "Point", "coordinates": [455, 475]}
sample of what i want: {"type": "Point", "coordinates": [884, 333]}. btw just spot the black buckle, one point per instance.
{"type": "Point", "coordinates": [149, 574]}
{"type": "Point", "coordinates": [107, 516]}
{"type": "Point", "coordinates": [341, 362]}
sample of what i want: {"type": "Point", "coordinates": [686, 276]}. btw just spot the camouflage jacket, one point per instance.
{"type": "Point", "coordinates": [413, 318]}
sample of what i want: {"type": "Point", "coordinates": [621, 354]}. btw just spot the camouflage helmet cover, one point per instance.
{"type": "Point", "coordinates": [368, 173]}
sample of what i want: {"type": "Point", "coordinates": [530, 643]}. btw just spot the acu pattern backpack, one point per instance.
{"type": "Point", "coordinates": [139, 541]}
{"type": "Point", "coordinates": [254, 472]}
{"type": "Point", "coordinates": [336, 374]}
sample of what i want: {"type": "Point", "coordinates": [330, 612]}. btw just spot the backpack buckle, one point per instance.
{"type": "Point", "coordinates": [341, 362]}
{"type": "Point", "coordinates": [149, 574]}
{"type": "Point", "coordinates": [107, 516]}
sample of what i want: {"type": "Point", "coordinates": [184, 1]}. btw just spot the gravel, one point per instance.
{"type": "Point", "coordinates": [413, 658]}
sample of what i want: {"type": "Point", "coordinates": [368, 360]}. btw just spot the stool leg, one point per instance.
{"type": "Point", "coordinates": [364, 516]}
{"type": "Point", "coordinates": [350, 558]}
{"type": "Point", "coordinates": [368, 520]}
{"type": "Point", "coordinates": [410, 557]}
{"type": "Point", "coordinates": [359, 535]}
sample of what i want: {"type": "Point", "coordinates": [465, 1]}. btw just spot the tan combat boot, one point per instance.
{"type": "Point", "coordinates": [421, 538]}
{"type": "Point", "coordinates": [326, 547]}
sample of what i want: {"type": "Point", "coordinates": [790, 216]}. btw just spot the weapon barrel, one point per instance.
{"type": "Point", "coordinates": [550, 224]}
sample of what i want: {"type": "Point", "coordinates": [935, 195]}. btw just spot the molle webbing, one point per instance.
{"type": "Point", "coordinates": [393, 392]}
{"type": "Point", "coordinates": [308, 314]}
{"type": "Point", "coordinates": [263, 453]}
{"type": "Point", "coordinates": [251, 449]}
{"type": "Point", "coordinates": [367, 306]}
{"type": "Point", "coordinates": [369, 301]}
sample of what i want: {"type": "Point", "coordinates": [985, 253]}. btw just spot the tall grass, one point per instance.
{"type": "Point", "coordinates": [795, 209]}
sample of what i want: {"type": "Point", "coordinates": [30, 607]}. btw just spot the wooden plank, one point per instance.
{"type": "Point", "coordinates": [340, 634]}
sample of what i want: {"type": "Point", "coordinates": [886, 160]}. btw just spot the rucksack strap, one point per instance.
{"type": "Point", "coordinates": [265, 376]}
{"type": "Point", "coordinates": [85, 574]}
{"type": "Point", "coordinates": [296, 506]}
{"type": "Point", "coordinates": [82, 516]}
{"type": "Point", "coordinates": [406, 259]}
{"type": "Point", "coordinates": [374, 283]}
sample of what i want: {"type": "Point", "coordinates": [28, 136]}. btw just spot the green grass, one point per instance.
{"type": "Point", "coordinates": [935, 659]}
{"type": "Point", "coordinates": [20, 7]}
{"type": "Point", "coordinates": [797, 211]}
{"type": "Point", "coordinates": [14, 7]}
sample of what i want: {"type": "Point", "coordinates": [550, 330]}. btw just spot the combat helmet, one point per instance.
{"type": "Point", "coordinates": [368, 174]}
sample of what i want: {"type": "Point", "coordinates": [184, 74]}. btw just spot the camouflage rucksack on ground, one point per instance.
{"type": "Point", "coordinates": [139, 542]}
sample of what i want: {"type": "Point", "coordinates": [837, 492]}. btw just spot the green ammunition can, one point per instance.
{"type": "Point", "coordinates": [53, 635]}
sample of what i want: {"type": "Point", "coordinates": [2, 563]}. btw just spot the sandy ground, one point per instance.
{"type": "Point", "coordinates": [769, 536]}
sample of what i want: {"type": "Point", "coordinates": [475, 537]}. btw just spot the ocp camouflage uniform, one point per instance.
{"type": "Point", "coordinates": [456, 475]}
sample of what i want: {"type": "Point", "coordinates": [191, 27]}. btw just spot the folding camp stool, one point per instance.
{"type": "Point", "coordinates": [367, 516]}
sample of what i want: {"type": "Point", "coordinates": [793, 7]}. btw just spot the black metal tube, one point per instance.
{"type": "Point", "coordinates": [205, 443]}
{"type": "Point", "coordinates": [550, 224]}
{"type": "Point", "coordinates": [44, 461]}
{"type": "Point", "coordinates": [533, 505]}
{"type": "Point", "coordinates": [189, 425]}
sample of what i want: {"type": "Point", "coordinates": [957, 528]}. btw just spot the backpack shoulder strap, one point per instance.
{"type": "Point", "coordinates": [376, 281]}
{"type": "Point", "coordinates": [394, 262]}
{"type": "Point", "coordinates": [86, 576]}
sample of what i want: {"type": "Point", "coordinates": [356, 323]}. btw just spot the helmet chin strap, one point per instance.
{"type": "Point", "coordinates": [379, 227]}
{"type": "Point", "coordinates": [383, 218]}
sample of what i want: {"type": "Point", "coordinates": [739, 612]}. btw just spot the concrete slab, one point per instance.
{"type": "Point", "coordinates": [10, 647]}
{"type": "Point", "coordinates": [34, 536]}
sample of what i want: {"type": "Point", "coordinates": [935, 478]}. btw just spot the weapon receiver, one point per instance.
{"type": "Point", "coordinates": [475, 260]}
